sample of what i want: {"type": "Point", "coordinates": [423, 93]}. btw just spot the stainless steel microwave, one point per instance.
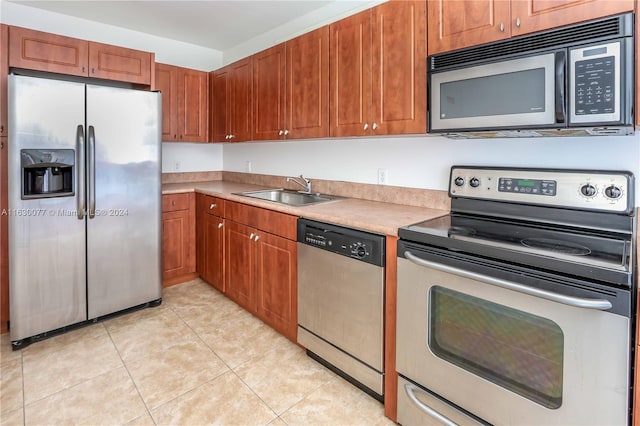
{"type": "Point", "coordinates": [571, 81]}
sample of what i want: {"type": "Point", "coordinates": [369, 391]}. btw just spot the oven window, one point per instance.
{"type": "Point", "coordinates": [511, 348]}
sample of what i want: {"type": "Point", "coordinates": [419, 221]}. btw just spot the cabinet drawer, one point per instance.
{"type": "Point", "coordinates": [210, 205]}
{"type": "Point", "coordinates": [263, 219]}
{"type": "Point", "coordinates": [174, 202]}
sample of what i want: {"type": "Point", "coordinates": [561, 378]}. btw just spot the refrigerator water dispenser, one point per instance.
{"type": "Point", "coordinates": [47, 173]}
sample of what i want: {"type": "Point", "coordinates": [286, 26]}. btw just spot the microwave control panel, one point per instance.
{"type": "Point", "coordinates": [595, 83]}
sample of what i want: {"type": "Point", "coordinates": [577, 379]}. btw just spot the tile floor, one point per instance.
{"type": "Point", "coordinates": [196, 359]}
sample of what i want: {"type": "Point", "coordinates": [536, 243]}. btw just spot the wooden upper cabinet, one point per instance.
{"type": "Point", "coordinates": [307, 106]}
{"type": "Point", "coordinates": [457, 24]}
{"type": "Point", "coordinates": [4, 68]}
{"type": "Point", "coordinates": [185, 99]}
{"type": "Point", "coordinates": [118, 63]}
{"type": "Point", "coordinates": [42, 51]}
{"type": "Point", "coordinates": [350, 75]}
{"type": "Point", "coordinates": [269, 93]}
{"type": "Point", "coordinates": [219, 82]}
{"type": "Point", "coordinates": [399, 101]}
{"type": "Point", "coordinates": [167, 84]}
{"type": "Point", "coordinates": [241, 100]}
{"type": "Point", "coordinates": [378, 71]}
{"type": "Point", "coordinates": [536, 15]}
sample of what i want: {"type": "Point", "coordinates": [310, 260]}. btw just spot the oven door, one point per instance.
{"type": "Point", "coordinates": [508, 350]}
{"type": "Point", "coordinates": [523, 92]}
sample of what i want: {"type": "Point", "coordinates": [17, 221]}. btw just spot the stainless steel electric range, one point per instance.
{"type": "Point", "coordinates": [518, 306]}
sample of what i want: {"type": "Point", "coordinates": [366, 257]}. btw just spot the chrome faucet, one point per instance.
{"type": "Point", "coordinates": [306, 185]}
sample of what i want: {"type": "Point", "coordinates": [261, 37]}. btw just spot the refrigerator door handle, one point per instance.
{"type": "Point", "coordinates": [91, 172]}
{"type": "Point", "coordinates": [80, 178]}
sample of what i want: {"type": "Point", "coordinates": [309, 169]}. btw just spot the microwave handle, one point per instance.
{"type": "Point", "coordinates": [560, 71]}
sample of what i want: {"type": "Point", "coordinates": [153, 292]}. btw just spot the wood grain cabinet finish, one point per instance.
{"type": "Point", "coordinates": [378, 71]}
{"type": "Point", "coordinates": [291, 88]}
{"type": "Point", "coordinates": [43, 51]}
{"type": "Point", "coordinates": [178, 236]}
{"type": "Point", "coordinates": [232, 99]}
{"type": "Point", "coordinates": [210, 240]}
{"type": "Point", "coordinates": [261, 264]}
{"type": "Point", "coordinates": [4, 69]}
{"type": "Point", "coordinates": [457, 24]}
{"type": "Point", "coordinates": [185, 101]}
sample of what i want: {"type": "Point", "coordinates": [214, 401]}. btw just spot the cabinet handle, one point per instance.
{"type": "Point", "coordinates": [173, 202]}
{"type": "Point", "coordinates": [281, 132]}
{"type": "Point", "coordinates": [93, 70]}
{"type": "Point", "coordinates": [286, 132]}
{"type": "Point", "coordinates": [251, 236]}
{"type": "Point", "coordinates": [231, 137]}
{"type": "Point", "coordinates": [1, 145]}
{"type": "Point", "coordinates": [518, 22]}
{"type": "Point", "coordinates": [256, 238]}
{"type": "Point", "coordinates": [366, 126]}
{"type": "Point", "coordinates": [212, 206]}
{"type": "Point", "coordinates": [83, 69]}
{"type": "Point", "coordinates": [375, 126]}
{"type": "Point", "coordinates": [2, 129]}
{"type": "Point", "coordinates": [219, 225]}
{"type": "Point", "coordinates": [501, 27]}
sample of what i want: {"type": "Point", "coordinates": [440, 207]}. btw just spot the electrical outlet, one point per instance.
{"type": "Point", "coordinates": [247, 166]}
{"type": "Point", "coordinates": [176, 166]}
{"type": "Point", "coordinates": [383, 176]}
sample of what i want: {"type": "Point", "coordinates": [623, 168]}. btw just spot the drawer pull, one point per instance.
{"type": "Point", "coordinates": [410, 390]}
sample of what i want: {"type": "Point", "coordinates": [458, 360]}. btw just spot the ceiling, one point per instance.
{"type": "Point", "coordinates": [215, 24]}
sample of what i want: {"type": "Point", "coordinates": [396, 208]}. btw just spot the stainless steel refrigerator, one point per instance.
{"type": "Point", "coordinates": [84, 203]}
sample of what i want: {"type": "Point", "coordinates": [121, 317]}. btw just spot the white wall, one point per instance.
{"type": "Point", "coordinates": [166, 50]}
{"type": "Point", "coordinates": [191, 157]}
{"type": "Point", "coordinates": [424, 161]}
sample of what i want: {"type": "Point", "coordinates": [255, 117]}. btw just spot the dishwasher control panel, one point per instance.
{"type": "Point", "coordinates": [360, 245]}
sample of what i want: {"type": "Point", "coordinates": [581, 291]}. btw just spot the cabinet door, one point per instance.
{"type": "Point", "coordinates": [219, 105]}
{"type": "Point", "coordinates": [241, 100]}
{"type": "Point", "coordinates": [4, 68]}
{"type": "Point", "coordinates": [277, 283]}
{"type": "Point", "coordinates": [239, 253]}
{"type": "Point", "coordinates": [269, 93]}
{"type": "Point", "coordinates": [176, 255]}
{"type": "Point", "coordinates": [399, 68]}
{"type": "Point", "coordinates": [307, 107]}
{"type": "Point", "coordinates": [536, 15]}
{"type": "Point", "coordinates": [214, 251]}
{"type": "Point", "coordinates": [193, 98]}
{"type": "Point", "coordinates": [42, 51]}
{"type": "Point", "coordinates": [457, 24]}
{"type": "Point", "coordinates": [350, 75]}
{"type": "Point", "coordinates": [119, 63]}
{"type": "Point", "coordinates": [167, 83]}
{"type": "Point", "coordinates": [4, 239]}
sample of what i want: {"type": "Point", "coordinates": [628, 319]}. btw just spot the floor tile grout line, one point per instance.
{"type": "Point", "coordinates": [124, 364]}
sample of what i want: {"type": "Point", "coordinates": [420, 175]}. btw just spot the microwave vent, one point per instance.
{"type": "Point", "coordinates": [617, 26]}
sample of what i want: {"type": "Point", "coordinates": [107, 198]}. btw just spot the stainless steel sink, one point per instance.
{"type": "Point", "coordinates": [289, 197]}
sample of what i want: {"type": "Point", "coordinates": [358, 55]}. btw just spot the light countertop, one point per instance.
{"type": "Point", "coordinates": [373, 216]}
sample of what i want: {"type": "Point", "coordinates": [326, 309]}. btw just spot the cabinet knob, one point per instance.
{"type": "Point", "coordinates": [251, 236]}
{"type": "Point", "coordinates": [281, 132]}
{"type": "Point", "coordinates": [374, 126]}
{"type": "Point", "coordinates": [83, 69]}
{"type": "Point", "coordinates": [501, 27]}
{"type": "Point", "coordinates": [286, 132]}
{"type": "Point", "coordinates": [366, 126]}
{"type": "Point", "coordinates": [173, 202]}
{"type": "Point", "coordinates": [518, 22]}
{"type": "Point", "coordinates": [212, 206]}
{"type": "Point", "coordinates": [1, 129]}
{"type": "Point", "coordinates": [1, 145]}
{"type": "Point", "coordinates": [231, 137]}
{"type": "Point", "coordinates": [93, 70]}
{"type": "Point", "coordinates": [175, 136]}
{"type": "Point", "coordinates": [256, 238]}
{"type": "Point", "coordinates": [219, 225]}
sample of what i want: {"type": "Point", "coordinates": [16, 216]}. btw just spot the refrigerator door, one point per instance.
{"type": "Point", "coordinates": [123, 198]}
{"type": "Point", "coordinates": [46, 235]}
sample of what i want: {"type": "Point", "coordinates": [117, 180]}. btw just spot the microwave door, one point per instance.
{"type": "Point", "coordinates": [507, 94]}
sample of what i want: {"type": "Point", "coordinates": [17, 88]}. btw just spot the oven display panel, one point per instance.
{"type": "Point", "coordinates": [527, 186]}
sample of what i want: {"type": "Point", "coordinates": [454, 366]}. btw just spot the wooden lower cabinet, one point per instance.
{"type": "Point", "coordinates": [210, 240]}
{"type": "Point", "coordinates": [240, 260]}
{"type": "Point", "coordinates": [178, 238]}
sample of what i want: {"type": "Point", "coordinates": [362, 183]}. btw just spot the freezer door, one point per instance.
{"type": "Point", "coordinates": [123, 196]}
{"type": "Point", "coordinates": [46, 236]}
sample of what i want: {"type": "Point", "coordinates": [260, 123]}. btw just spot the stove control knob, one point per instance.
{"type": "Point", "coordinates": [613, 192]}
{"type": "Point", "coordinates": [459, 181]}
{"type": "Point", "coordinates": [588, 190]}
{"type": "Point", "coordinates": [474, 182]}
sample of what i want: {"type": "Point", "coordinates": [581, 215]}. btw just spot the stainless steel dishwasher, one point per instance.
{"type": "Point", "coordinates": [341, 301]}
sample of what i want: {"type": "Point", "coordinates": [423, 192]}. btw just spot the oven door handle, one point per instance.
{"type": "Point", "coordinates": [578, 302]}
{"type": "Point", "coordinates": [410, 390]}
